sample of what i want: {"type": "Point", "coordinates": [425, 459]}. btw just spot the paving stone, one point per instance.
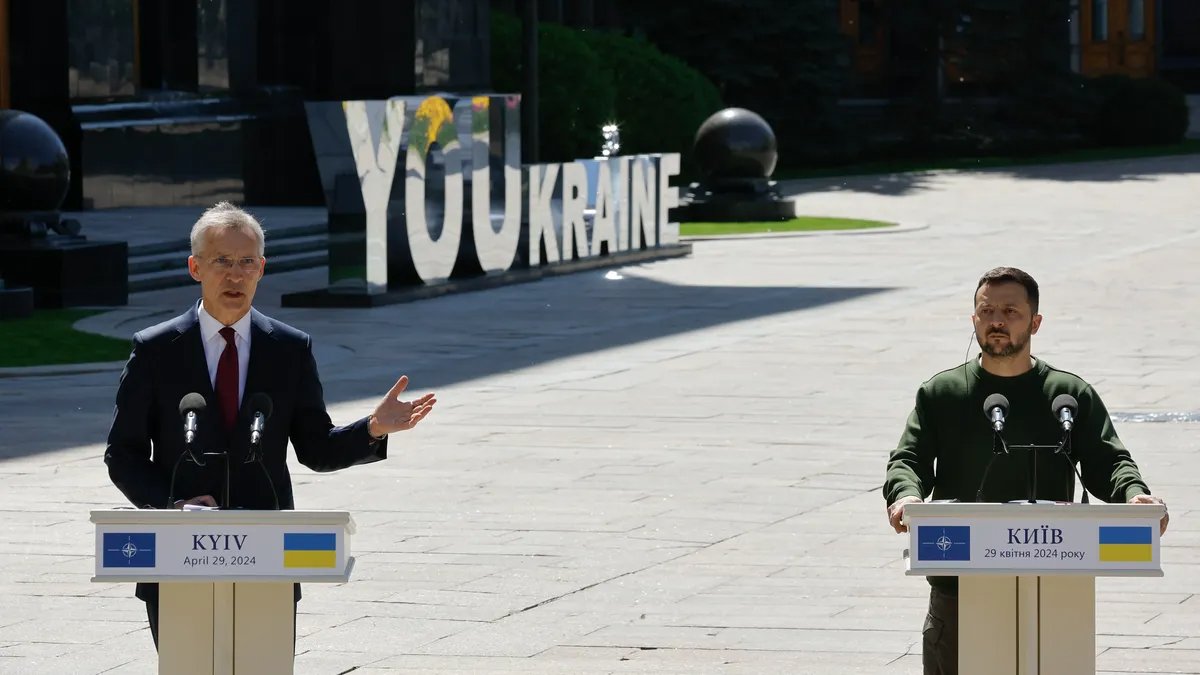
{"type": "Point", "coordinates": [675, 472]}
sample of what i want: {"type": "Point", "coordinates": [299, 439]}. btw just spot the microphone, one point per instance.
{"type": "Point", "coordinates": [261, 404]}
{"type": "Point", "coordinates": [1064, 408]}
{"type": "Point", "coordinates": [190, 406]}
{"type": "Point", "coordinates": [995, 407]}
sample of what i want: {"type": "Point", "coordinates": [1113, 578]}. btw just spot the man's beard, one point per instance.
{"type": "Point", "coordinates": [1013, 347]}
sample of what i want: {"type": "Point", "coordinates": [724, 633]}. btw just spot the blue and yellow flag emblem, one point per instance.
{"type": "Point", "coordinates": [1126, 544]}
{"type": "Point", "coordinates": [309, 549]}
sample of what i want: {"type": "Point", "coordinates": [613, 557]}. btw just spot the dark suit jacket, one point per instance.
{"type": "Point", "coordinates": [146, 441]}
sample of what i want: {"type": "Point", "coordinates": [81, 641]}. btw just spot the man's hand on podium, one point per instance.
{"type": "Point", "coordinates": [896, 512]}
{"type": "Point", "coordinates": [202, 500]}
{"type": "Point", "coordinates": [392, 414]}
{"type": "Point", "coordinates": [1150, 499]}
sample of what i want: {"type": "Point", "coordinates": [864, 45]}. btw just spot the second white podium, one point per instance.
{"type": "Point", "coordinates": [226, 579]}
{"type": "Point", "coordinates": [1027, 587]}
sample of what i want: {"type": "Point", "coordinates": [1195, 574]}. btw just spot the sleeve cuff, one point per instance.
{"type": "Point", "coordinates": [1135, 490]}
{"type": "Point", "coordinates": [907, 492]}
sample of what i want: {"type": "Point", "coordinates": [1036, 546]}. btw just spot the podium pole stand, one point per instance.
{"type": "Point", "coordinates": [226, 579]}
{"type": "Point", "coordinates": [1027, 576]}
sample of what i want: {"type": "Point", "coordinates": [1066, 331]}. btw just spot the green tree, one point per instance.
{"type": "Point", "coordinates": [576, 92]}
{"type": "Point", "coordinates": [589, 78]}
{"type": "Point", "coordinates": [785, 61]}
{"type": "Point", "coordinates": [660, 101]}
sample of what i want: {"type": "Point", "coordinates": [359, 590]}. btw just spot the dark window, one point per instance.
{"type": "Point", "coordinates": [868, 22]}
{"type": "Point", "coordinates": [212, 47]}
{"type": "Point", "coordinates": [100, 46]}
{"type": "Point", "coordinates": [1137, 20]}
{"type": "Point", "coordinates": [1099, 20]}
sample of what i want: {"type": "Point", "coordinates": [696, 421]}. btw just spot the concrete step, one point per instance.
{"type": "Point", "coordinates": [176, 259]}
{"type": "Point", "coordinates": [163, 264]}
{"type": "Point", "coordinates": [178, 275]}
{"type": "Point", "coordinates": [185, 245]}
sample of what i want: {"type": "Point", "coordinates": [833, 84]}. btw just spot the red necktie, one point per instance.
{"type": "Point", "coordinates": [227, 379]}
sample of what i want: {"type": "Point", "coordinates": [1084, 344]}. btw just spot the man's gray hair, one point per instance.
{"type": "Point", "coordinates": [225, 216]}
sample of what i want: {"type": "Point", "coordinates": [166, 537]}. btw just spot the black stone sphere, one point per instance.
{"type": "Point", "coordinates": [735, 143]}
{"type": "Point", "coordinates": [34, 171]}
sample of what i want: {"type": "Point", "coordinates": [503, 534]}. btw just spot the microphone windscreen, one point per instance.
{"type": "Point", "coordinates": [192, 402]}
{"type": "Point", "coordinates": [1064, 401]}
{"type": "Point", "coordinates": [995, 401]}
{"type": "Point", "coordinates": [261, 403]}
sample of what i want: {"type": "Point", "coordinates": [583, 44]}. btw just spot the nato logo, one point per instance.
{"type": "Point", "coordinates": [128, 549]}
{"type": "Point", "coordinates": [943, 543]}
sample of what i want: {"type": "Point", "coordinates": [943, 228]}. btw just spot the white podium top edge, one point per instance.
{"type": "Point", "coordinates": [1041, 572]}
{"type": "Point", "coordinates": [164, 579]}
{"type": "Point", "coordinates": [1025, 509]}
{"type": "Point", "coordinates": [222, 517]}
{"type": "Point", "coordinates": [340, 578]}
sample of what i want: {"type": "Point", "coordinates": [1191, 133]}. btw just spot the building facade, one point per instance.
{"type": "Point", "coordinates": [1139, 38]}
{"type": "Point", "coordinates": [184, 102]}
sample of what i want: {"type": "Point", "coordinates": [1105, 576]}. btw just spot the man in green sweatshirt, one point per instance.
{"type": "Point", "coordinates": [947, 444]}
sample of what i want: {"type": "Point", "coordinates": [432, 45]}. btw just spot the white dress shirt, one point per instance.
{"type": "Point", "coordinates": [214, 346]}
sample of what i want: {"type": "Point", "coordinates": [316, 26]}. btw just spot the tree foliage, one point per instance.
{"type": "Point", "coordinates": [590, 78]}
{"type": "Point", "coordinates": [575, 91]}
{"type": "Point", "coordinates": [785, 61]}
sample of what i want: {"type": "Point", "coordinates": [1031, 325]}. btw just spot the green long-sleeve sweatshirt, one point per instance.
{"type": "Point", "coordinates": [947, 442]}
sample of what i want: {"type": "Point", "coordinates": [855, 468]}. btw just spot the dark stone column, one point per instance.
{"type": "Point", "coordinates": [167, 40]}
{"type": "Point", "coordinates": [38, 58]}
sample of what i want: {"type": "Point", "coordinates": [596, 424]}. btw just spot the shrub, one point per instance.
{"type": "Point", "coordinates": [575, 91]}
{"type": "Point", "coordinates": [660, 100]}
{"type": "Point", "coordinates": [589, 78]}
{"type": "Point", "coordinates": [1137, 111]}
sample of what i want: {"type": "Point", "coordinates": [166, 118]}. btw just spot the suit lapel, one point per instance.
{"type": "Point", "coordinates": [189, 349]}
{"type": "Point", "coordinates": [258, 372]}
{"type": "Point", "coordinates": [190, 345]}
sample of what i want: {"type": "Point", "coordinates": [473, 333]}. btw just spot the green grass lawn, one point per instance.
{"type": "Point", "coordinates": [802, 224]}
{"type": "Point", "coordinates": [46, 338]}
{"type": "Point", "coordinates": [1190, 146]}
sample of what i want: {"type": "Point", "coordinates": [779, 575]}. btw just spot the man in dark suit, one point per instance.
{"type": "Point", "coordinates": [228, 352]}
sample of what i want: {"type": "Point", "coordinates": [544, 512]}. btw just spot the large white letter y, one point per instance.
{"type": "Point", "coordinates": [375, 129]}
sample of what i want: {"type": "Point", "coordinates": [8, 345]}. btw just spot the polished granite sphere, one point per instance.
{"type": "Point", "coordinates": [34, 170]}
{"type": "Point", "coordinates": [735, 143]}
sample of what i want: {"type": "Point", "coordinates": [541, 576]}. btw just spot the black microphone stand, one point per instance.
{"type": "Point", "coordinates": [261, 404]}
{"type": "Point", "coordinates": [1064, 448]}
{"type": "Point", "coordinates": [224, 455]}
{"type": "Point", "coordinates": [174, 475]}
{"type": "Point", "coordinates": [1033, 476]}
{"type": "Point", "coordinates": [191, 456]}
{"type": "Point", "coordinates": [255, 457]}
{"type": "Point", "coordinates": [999, 447]}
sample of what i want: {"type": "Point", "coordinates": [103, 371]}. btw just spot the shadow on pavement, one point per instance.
{"type": "Point", "coordinates": [894, 184]}
{"type": "Point", "coordinates": [589, 315]}
{"type": "Point", "coordinates": [439, 343]}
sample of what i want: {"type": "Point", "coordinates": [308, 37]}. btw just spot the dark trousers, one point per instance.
{"type": "Point", "coordinates": [939, 638]}
{"type": "Point", "coordinates": [152, 614]}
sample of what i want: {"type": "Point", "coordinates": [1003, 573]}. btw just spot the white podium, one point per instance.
{"type": "Point", "coordinates": [1027, 587]}
{"type": "Point", "coordinates": [226, 596]}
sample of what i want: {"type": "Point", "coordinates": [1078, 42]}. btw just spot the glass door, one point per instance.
{"type": "Point", "coordinates": [1117, 37]}
{"type": "Point", "coordinates": [4, 100]}
{"type": "Point", "coordinates": [865, 25]}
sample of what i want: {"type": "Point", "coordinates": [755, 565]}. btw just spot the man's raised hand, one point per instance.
{"type": "Point", "coordinates": [393, 414]}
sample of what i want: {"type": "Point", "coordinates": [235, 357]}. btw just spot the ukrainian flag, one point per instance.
{"type": "Point", "coordinates": [1125, 544]}
{"type": "Point", "coordinates": [309, 549]}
